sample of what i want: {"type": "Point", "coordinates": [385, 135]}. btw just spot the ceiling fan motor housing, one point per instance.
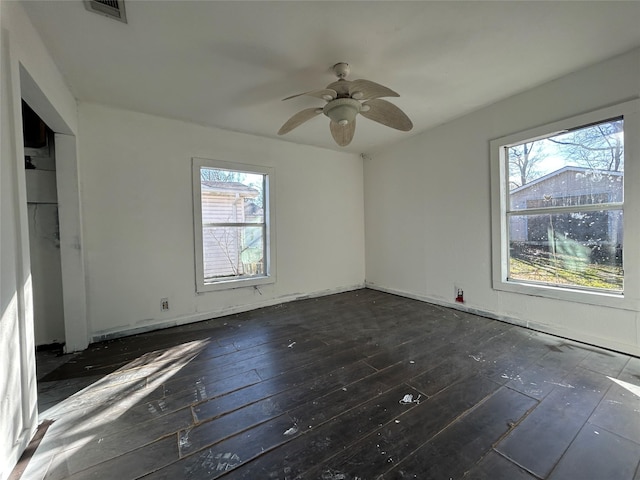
{"type": "Point", "coordinates": [342, 111]}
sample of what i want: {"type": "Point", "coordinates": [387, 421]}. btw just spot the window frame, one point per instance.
{"type": "Point", "coordinates": [269, 275]}
{"type": "Point", "coordinates": [629, 111]}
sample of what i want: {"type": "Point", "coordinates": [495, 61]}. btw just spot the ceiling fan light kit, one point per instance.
{"type": "Point", "coordinates": [345, 100]}
{"type": "Point", "coordinates": [342, 110]}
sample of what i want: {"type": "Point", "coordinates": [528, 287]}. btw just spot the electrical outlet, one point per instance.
{"type": "Point", "coordinates": [458, 293]}
{"type": "Point", "coordinates": [164, 304]}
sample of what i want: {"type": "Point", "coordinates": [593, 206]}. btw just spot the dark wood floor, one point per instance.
{"type": "Point", "coordinates": [361, 385]}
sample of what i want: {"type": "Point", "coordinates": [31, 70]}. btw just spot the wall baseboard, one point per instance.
{"type": "Point", "coordinates": [538, 327]}
{"type": "Point", "coordinates": [100, 336]}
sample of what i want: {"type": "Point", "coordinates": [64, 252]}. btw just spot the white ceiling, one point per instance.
{"type": "Point", "coordinates": [229, 64]}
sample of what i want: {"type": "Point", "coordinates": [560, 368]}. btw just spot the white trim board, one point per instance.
{"type": "Point", "coordinates": [199, 317]}
{"type": "Point", "coordinates": [538, 327]}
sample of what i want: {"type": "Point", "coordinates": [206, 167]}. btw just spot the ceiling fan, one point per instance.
{"type": "Point", "coordinates": [345, 99]}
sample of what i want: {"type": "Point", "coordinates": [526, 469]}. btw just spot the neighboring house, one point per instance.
{"type": "Point", "coordinates": [569, 186]}
{"type": "Point", "coordinates": [230, 250]}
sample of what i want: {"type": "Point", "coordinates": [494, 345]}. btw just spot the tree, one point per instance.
{"type": "Point", "coordinates": [250, 180]}
{"type": "Point", "coordinates": [216, 175]}
{"type": "Point", "coordinates": [598, 147]}
{"type": "Point", "coordinates": [523, 160]}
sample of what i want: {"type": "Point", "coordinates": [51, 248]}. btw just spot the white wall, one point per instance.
{"type": "Point", "coordinates": [21, 50]}
{"type": "Point", "coordinates": [428, 209]}
{"type": "Point", "coordinates": [137, 204]}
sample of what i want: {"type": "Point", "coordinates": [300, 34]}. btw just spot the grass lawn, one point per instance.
{"type": "Point", "coordinates": [566, 272]}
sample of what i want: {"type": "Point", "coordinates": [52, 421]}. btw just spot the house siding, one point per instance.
{"type": "Point", "coordinates": [222, 247]}
{"type": "Point", "coordinates": [568, 186]}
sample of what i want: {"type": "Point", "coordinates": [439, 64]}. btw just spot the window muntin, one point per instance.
{"type": "Point", "coordinates": [562, 208]}
{"type": "Point", "coordinates": [232, 231]}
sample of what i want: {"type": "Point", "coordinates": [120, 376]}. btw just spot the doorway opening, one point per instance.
{"type": "Point", "coordinates": [44, 240]}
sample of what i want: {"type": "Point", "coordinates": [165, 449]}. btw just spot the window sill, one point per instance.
{"type": "Point", "coordinates": [590, 297]}
{"type": "Point", "coordinates": [235, 283]}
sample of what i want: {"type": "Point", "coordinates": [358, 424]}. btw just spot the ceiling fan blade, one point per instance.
{"type": "Point", "coordinates": [298, 119]}
{"type": "Point", "coordinates": [325, 94]}
{"type": "Point", "coordinates": [387, 114]}
{"type": "Point", "coordinates": [343, 134]}
{"type": "Point", "coordinates": [366, 89]}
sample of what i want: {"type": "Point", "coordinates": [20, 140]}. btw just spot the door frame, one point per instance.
{"type": "Point", "coordinates": [69, 213]}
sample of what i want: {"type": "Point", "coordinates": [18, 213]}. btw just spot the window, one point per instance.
{"type": "Point", "coordinates": [232, 217]}
{"type": "Point", "coordinates": [558, 207]}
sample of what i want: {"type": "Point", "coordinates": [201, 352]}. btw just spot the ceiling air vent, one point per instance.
{"type": "Point", "coordinates": [110, 8]}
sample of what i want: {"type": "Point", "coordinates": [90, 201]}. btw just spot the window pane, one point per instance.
{"type": "Point", "coordinates": [581, 167]}
{"type": "Point", "coordinates": [233, 251]}
{"type": "Point", "coordinates": [582, 249]}
{"type": "Point", "coordinates": [232, 231]}
{"type": "Point", "coordinates": [231, 197]}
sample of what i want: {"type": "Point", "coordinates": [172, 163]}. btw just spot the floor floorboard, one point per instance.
{"type": "Point", "coordinates": [356, 386]}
